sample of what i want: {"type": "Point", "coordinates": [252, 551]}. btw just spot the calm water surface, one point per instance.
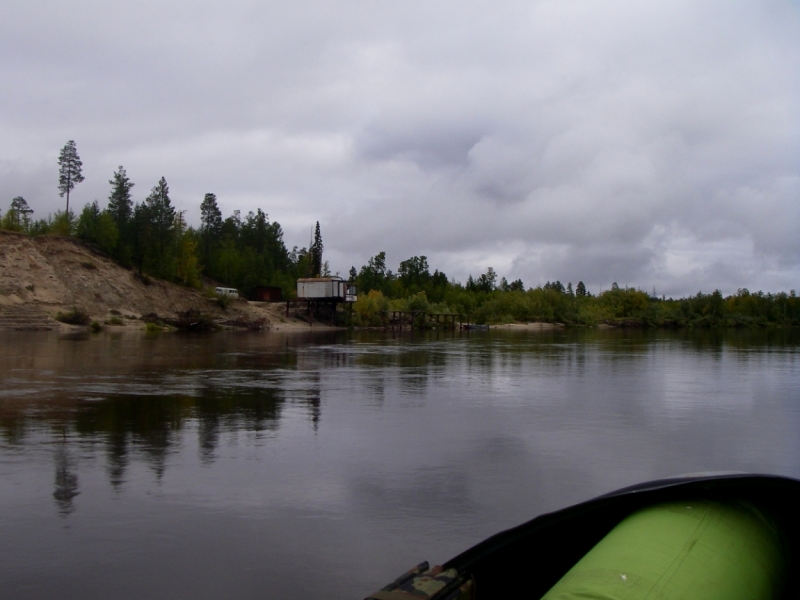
{"type": "Point", "coordinates": [308, 466]}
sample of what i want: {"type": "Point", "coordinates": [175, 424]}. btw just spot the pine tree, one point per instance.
{"type": "Point", "coordinates": [210, 224]}
{"type": "Point", "coordinates": [580, 290]}
{"type": "Point", "coordinates": [69, 172]}
{"type": "Point", "coordinates": [316, 252]}
{"type": "Point", "coordinates": [18, 215]}
{"type": "Point", "coordinates": [161, 215]}
{"type": "Point", "coordinates": [120, 204]}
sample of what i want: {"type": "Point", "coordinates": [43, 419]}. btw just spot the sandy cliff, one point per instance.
{"type": "Point", "coordinates": [40, 277]}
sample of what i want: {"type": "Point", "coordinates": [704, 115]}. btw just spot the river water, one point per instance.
{"type": "Point", "coordinates": [268, 465]}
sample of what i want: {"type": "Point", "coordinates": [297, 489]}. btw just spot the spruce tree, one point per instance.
{"type": "Point", "coordinates": [315, 252]}
{"type": "Point", "coordinates": [210, 224]}
{"type": "Point", "coordinates": [120, 204]}
{"type": "Point", "coordinates": [161, 215]}
{"type": "Point", "coordinates": [69, 172]}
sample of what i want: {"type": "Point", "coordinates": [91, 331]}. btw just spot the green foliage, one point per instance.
{"type": "Point", "coordinates": [370, 308]}
{"type": "Point", "coordinates": [98, 228]}
{"type": "Point", "coordinates": [187, 268]}
{"type": "Point", "coordinates": [623, 303]}
{"type": "Point", "coordinates": [120, 208]}
{"type": "Point", "coordinates": [418, 301]}
{"type": "Point", "coordinates": [17, 218]}
{"type": "Point", "coordinates": [120, 203]}
{"type": "Point", "coordinates": [210, 226]}
{"type": "Point", "coordinates": [315, 252]}
{"type": "Point", "coordinates": [375, 276]}
{"type": "Point", "coordinates": [63, 223]}
{"type": "Point", "coordinates": [160, 229]}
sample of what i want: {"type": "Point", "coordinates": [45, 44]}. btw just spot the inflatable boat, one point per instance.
{"type": "Point", "coordinates": [725, 537]}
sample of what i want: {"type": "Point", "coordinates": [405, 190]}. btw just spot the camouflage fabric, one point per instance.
{"type": "Point", "coordinates": [422, 583]}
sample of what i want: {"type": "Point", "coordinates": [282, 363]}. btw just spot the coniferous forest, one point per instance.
{"type": "Point", "coordinates": [245, 251]}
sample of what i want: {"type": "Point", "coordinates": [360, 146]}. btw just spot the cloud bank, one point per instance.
{"type": "Point", "coordinates": [652, 144]}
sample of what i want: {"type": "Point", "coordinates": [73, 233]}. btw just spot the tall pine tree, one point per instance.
{"type": "Point", "coordinates": [161, 215]}
{"type": "Point", "coordinates": [120, 204]}
{"type": "Point", "coordinates": [210, 225]}
{"type": "Point", "coordinates": [315, 252]}
{"type": "Point", "coordinates": [69, 171]}
{"type": "Point", "coordinates": [120, 210]}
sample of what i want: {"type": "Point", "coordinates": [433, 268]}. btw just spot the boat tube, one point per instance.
{"type": "Point", "coordinates": [732, 537]}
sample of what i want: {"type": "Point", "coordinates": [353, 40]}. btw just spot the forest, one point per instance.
{"type": "Point", "coordinates": [245, 251]}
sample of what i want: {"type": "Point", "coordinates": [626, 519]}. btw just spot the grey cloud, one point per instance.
{"type": "Point", "coordinates": [429, 147]}
{"type": "Point", "coordinates": [640, 142]}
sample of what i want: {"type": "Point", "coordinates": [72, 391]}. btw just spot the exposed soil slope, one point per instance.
{"type": "Point", "coordinates": [42, 276]}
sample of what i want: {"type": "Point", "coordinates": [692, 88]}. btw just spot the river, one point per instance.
{"type": "Point", "coordinates": [269, 465]}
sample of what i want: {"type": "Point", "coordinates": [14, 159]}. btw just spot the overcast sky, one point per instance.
{"type": "Point", "coordinates": [655, 144]}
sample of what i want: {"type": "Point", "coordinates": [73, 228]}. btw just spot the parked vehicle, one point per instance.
{"type": "Point", "coordinates": [223, 291]}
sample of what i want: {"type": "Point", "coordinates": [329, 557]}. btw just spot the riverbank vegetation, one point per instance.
{"type": "Point", "coordinates": [245, 251]}
{"type": "Point", "coordinates": [485, 300]}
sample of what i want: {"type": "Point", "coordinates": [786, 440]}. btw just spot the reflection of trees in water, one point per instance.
{"type": "Point", "coordinates": [152, 425]}
{"type": "Point", "coordinates": [12, 428]}
{"type": "Point", "coordinates": [66, 482]}
{"type": "Point", "coordinates": [117, 451]}
{"type": "Point", "coordinates": [313, 398]}
{"type": "Point", "coordinates": [253, 409]}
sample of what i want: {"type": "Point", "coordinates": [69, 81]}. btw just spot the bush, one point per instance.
{"type": "Point", "coordinates": [96, 327]}
{"type": "Point", "coordinates": [369, 309]}
{"type": "Point", "coordinates": [75, 317]}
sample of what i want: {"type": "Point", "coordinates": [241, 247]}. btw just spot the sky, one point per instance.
{"type": "Point", "coordinates": [653, 144]}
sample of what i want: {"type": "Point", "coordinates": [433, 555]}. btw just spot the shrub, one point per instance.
{"type": "Point", "coordinates": [368, 309]}
{"type": "Point", "coordinates": [75, 317]}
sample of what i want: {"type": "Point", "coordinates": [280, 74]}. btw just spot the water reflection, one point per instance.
{"type": "Point", "coordinates": [243, 459]}
{"type": "Point", "coordinates": [66, 481]}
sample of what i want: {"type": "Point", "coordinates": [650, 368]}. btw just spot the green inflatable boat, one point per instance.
{"type": "Point", "coordinates": [715, 537]}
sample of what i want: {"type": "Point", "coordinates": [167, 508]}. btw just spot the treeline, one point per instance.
{"type": "Point", "coordinates": [484, 300]}
{"type": "Point", "coordinates": [153, 237]}
{"type": "Point", "coordinates": [248, 251]}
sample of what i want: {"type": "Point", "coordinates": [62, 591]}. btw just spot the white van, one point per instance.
{"type": "Point", "coordinates": [232, 292]}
